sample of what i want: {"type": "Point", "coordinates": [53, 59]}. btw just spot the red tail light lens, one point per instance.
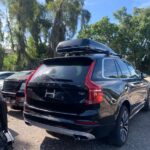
{"type": "Point", "coordinates": [29, 78]}
{"type": "Point", "coordinates": [95, 91]}
{"type": "Point", "coordinates": [86, 122]}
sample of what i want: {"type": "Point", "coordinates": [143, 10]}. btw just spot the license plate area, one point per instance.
{"type": "Point", "coordinates": [9, 100]}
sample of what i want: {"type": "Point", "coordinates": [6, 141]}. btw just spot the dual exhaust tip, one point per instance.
{"type": "Point", "coordinates": [81, 138]}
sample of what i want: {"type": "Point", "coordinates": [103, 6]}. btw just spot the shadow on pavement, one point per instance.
{"type": "Point", "coordinates": [66, 143]}
{"type": "Point", "coordinates": [21, 145]}
{"type": "Point", "coordinates": [16, 113]}
{"type": "Point", "coordinates": [14, 133]}
{"type": "Point", "coordinates": [139, 138]}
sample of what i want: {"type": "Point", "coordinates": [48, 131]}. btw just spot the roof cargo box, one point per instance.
{"type": "Point", "coordinates": [83, 46]}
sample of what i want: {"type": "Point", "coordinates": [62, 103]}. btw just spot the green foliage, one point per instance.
{"type": "Point", "coordinates": [102, 31]}
{"type": "Point", "coordinates": [35, 29]}
{"type": "Point", "coordinates": [129, 37]}
{"type": "Point", "coordinates": [66, 15]}
{"type": "Point", "coordinates": [9, 62]}
{"type": "Point", "coordinates": [31, 48]}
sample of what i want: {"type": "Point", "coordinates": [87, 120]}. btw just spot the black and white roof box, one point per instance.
{"type": "Point", "coordinates": [85, 46]}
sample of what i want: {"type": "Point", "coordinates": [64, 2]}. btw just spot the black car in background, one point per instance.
{"type": "Point", "coordinates": [90, 92]}
{"type": "Point", "coordinates": [6, 139]}
{"type": "Point", "coordinates": [3, 76]}
{"type": "Point", "coordinates": [13, 89]}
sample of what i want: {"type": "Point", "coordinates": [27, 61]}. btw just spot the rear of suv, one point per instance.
{"type": "Point", "coordinates": [13, 89]}
{"type": "Point", "coordinates": [90, 93]}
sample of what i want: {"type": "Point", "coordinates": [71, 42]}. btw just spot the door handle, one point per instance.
{"type": "Point", "coordinates": [131, 85]}
{"type": "Point", "coordinates": [142, 84]}
{"type": "Point", "coordinates": [126, 88]}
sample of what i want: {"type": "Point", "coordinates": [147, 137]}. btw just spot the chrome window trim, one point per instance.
{"type": "Point", "coordinates": [115, 59]}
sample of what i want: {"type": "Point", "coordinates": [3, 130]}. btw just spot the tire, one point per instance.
{"type": "Point", "coordinates": [120, 133]}
{"type": "Point", "coordinates": [147, 103]}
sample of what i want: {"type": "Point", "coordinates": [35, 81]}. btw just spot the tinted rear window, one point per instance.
{"type": "Point", "coordinates": [19, 74]}
{"type": "Point", "coordinates": [63, 72]}
{"type": "Point", "coordinates": [5, 75]}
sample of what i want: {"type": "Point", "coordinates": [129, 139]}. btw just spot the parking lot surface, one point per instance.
{"type": "Point", "coordinates": [33, 138]}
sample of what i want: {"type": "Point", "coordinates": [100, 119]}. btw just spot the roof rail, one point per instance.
{"type": "Point", "coordinates": [83, 46]}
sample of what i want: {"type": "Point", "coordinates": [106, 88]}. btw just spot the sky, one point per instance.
{"type": "Point", "coordinates": [101, 8]}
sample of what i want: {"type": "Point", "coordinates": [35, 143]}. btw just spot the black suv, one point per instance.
{"type": "Point", "coordinates": [13, 89]}
{"type": "Point", "coordinates": [89, 93]}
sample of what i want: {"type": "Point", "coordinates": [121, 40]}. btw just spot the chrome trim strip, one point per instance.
{"type": "Point", "coordinates": [138, 106]}
{"type": "Point", "coordinates": [141, 106]}
{"type": "Point", "coordinates": [8, 93]}
{"type": "Point", "coordinates": [62, 130]}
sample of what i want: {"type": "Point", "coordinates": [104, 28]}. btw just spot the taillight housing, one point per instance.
{"type": "Point", "coordinates": [94, 90]}
{"type": "Point", "coordinates": [29, 78]}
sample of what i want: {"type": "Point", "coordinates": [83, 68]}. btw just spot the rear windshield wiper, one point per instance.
{"type": "Point", "coordinates": [63, 80]}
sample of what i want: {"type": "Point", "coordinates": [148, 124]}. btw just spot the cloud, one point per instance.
{"type": "Point", "coordinates": [145, 5]}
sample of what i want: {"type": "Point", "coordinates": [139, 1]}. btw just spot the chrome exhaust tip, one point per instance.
{"type": "Point", "coordinates": [80, 138]}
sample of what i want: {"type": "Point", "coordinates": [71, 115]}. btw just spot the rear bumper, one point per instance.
{"type": "Point", "coordinates": [14, 99]}
{"type": "Point", "coordinates": [67, 126]}
{"type": "Point", "coordinates": [60, 130]}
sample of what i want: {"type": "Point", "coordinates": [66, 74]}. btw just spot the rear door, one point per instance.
{"type": "Point", "coordinates": [59, 85]}
{"type": "Point", "coordinates": [142, 84]}
{"type": "Point", "coordinates": [133, 84]}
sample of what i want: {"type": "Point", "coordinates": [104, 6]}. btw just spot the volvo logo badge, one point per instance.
{"type": "Point", "coordinates": [50, 94]}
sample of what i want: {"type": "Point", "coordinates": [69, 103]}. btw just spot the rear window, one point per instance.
{"type": "Point", "coordinates": [61, 73]}
{"type": "Point", "coordinates": [19, 74]}
{"type": "Point", "coordinates": [5, 75]}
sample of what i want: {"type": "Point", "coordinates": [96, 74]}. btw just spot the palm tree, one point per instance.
{"type": "Point", "coordinates": [67, 15]}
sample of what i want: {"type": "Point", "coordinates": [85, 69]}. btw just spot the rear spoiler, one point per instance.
{"type": "Point", "coordinates": [65, 60]}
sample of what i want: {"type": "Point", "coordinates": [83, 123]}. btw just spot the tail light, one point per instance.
{"type": "Point", "coordinates": [81, 122]}
{"type": "Point", "coordinates": [29, 78]}
{"type": "Point", "coordinates": [95, 91]}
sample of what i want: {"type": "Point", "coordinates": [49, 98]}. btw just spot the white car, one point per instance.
{"type": "Point", "coordinates": [4, 75]}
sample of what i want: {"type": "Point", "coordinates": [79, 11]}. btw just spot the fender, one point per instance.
{"type": "Point", "coordinates": [124, 101]}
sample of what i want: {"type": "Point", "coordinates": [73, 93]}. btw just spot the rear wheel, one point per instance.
{"type": "Point", "coordinates": [120, 133]}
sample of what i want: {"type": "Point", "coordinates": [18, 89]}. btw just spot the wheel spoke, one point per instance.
{"type": "Point", "coordinates": [124, 125]}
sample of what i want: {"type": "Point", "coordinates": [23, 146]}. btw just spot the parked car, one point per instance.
{"type": "Point", "coordinates": [13, 89]}
{"type": "Point", "coordinates": [89, 93]}
{"type": "Point", "coordinates": [4, 75]}
{"type": "Point", "coordinates": [6, 138]}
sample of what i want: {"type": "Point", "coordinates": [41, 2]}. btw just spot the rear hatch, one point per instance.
{"type": "Point", "coordinates": [59, 85]}
{"type": "Point", "coordinates": [14, 82]}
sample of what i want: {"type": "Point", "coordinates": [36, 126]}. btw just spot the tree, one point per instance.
{"type": "Point", "coordinates": [102, 31]}
{"type": "Point", "coordinates": [66, 15]}
{"type": "Point", "coordinates": [42, 25]}
{"type": "Point", "coordinates": [130, 36]}
{"type": "Point", "coordinates": [1, 47]}
{"type": "Point", "coordinates": [19, 11]}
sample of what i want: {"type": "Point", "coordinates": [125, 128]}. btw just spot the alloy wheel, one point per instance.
{"type": "Point", "coordinates": [124, 126]}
